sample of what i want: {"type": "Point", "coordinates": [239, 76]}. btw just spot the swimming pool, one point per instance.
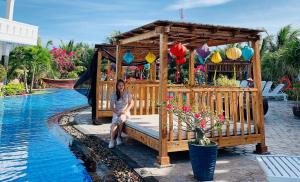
{"type": "Point", "coordinates": [29, 150]}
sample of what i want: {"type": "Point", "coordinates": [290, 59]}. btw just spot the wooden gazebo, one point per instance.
{"type": "Point", "coordinates": [152, 125]}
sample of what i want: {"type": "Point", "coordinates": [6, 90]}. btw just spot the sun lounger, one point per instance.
{"type": "Point", "coordinates": [276, 92]}
{"type": "Point", "coordinates": [280, 168]}
{"type": "Point", "coordinates": [263, 84]}
{"type": "Point", "coordinates": [267, 88]}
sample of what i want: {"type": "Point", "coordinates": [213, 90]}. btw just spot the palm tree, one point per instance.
{"type": "Point", "coordinates": [111, 38]}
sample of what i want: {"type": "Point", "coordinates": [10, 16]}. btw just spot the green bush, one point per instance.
{"type": "Point", "coordinates": [72, 74]}
{"type": "Point", "coordinates": [3, 73]}
{"type": "Point", "coordinates": [79, 70]}
{"type": "Point", "coordinates": [13, 89]}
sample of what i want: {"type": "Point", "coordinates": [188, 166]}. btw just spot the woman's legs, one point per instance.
{"type": "Point", "coordinates": [113, 132]}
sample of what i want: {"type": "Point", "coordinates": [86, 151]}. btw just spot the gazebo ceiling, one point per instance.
{"type": "Point", "coordinates": [190, 34]}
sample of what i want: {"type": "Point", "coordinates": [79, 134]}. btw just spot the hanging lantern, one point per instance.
{"type": "Point", "coordinates": [247, 53]}
{"type": "Point", "coordinates": [147, 66]}
{"type": "Point", "coordinates": [150, 58]}
{"type": "Point", "coordinates": [203, 53]}
{"type": "Point", "coordinates": [128, 57]}
{"type": "Point", "coordinates": [179, 51]}
{"type": "Point", "coordinates": [180, 61]}
{"type": "Point", "coordinates": [233, 53]}
{"type": "Point", "coordinates": [216, 57]}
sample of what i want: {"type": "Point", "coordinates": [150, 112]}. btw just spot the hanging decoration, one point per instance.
{"type": "Point", "coordinates": [140, 70]}
{"type": "Point", "coordinates": [128, 57]}
{"type": "Point", "coordinates": [247, 53]}
{"type": "Point", "coordinates": [179, 51]}
{"type": "Point", "coordinates": [150, 58]}
{"type": "Point", "coordinates": [216, 57]}
{"type": "Point", "coordinates": [202, 53]}
{"type": "Point", "coordinates": [147, 66]}
{"type": "Point", "coordinates": [233, 53]}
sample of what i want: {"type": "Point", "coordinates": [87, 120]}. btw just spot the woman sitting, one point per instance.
{"type": "Point", "coordinates": [120, 104]}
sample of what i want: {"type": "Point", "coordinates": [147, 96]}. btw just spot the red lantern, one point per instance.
{"type": "Point", "coordinates": [140, 67]}
{"type": "Point", "coordinates": [179, 51]}
{"type": "Point", "coordinates": [180, 60]}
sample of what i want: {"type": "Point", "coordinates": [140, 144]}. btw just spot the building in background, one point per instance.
{"type": "Point", "coordinates": [13, 33]}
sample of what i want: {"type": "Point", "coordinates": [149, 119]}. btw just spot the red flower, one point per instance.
{"type": "Point", "coordinates": [221, 117]}
{"type": "Point", "coordinates": [197, 116]}
{"type": "Point", "coordinates": [170, 98]}
{"type": "Point", "coordinates": [186, 109]}
{"type": "Point", "coordinates": [169, 106]}
{"type": "Point", "coordinates": [202, 123]}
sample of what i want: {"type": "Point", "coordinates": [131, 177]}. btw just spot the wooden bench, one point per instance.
{"type": "Point", "coordinates": [280, 168]}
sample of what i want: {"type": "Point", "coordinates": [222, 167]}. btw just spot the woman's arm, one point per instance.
{"type": "Point", "coordinates": [113, 105]}
{"type": "Point", "coordinates": [129, 105]}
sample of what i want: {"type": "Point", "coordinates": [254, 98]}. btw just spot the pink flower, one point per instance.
{"type": "Point", "coordinates": [169, 107]}
{"type": "Point", "coordinates": [197, 116]}
{"type": "Point", "coordinates": [221, 117]}
{"type": "Point", "coordinates": [170, 98]}
{"type": "Point", "coordinates": [186, 109]}
{"type": "Point", "coordinates": [202, 123]}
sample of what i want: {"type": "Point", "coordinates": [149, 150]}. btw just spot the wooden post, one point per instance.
{"type": "Point", "coordinates": [118, 62]}
{"type": "Point", "coordinates": [260, 147]}
{"type": "Point", "coordinates": [163, 158]}
{"type": "Point", "coordinates": [153, 71]}
{"type": "Point", "coordinates": [98, 79]}
{"type": "Point", "coordinates": [192, 68]}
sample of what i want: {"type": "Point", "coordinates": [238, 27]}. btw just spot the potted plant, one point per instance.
{"type": "Point", "coordinates": [202, 151]}
{"type": "Point", "coordinates": [296, 92]}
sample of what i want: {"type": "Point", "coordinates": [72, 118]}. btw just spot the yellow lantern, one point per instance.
{"type": "Point", "coordinates": [216, 57]}
{"type": "Point", "coordinates": [233, 53]}
{"type": "Point", "coordinates": [150, 58]}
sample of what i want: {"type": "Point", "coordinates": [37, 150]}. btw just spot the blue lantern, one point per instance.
{"type": "Point", "coordinates": [128, 57]}
{"type": "Point", "coordinates": [247, 53]}
{"type": "Point", "coordinates": [147, 66]}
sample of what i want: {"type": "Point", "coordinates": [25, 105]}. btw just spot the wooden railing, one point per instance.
{"type": "Point", "coordinates": [144, 95]}
{"type": "Point", "coordinates": [238, 105]}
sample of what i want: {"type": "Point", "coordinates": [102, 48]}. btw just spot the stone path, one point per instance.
{"type": "Point", "coordinates": [233, 163]}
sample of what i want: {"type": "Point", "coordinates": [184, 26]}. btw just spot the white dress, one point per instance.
{"type": "Point", "coordinates": [120, 104]}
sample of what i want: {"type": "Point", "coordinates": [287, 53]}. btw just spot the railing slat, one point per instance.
{"type": "Point", "coordinates": [135, 100]}
{"type": "Point", "coordinates": [241, 108]}
{"type": "Point", "coordinates": [153, 98]}
{"type": "Point", "coordinates": [141, 100]}
{"type": "Point", "coordinates": [179, 104]}
{"type": "Point", "coordinates": [227, 113]}
{"type": "Point", "coordinates": [248, 113]}
{"type": "Point", "coordinates": [147, 100]}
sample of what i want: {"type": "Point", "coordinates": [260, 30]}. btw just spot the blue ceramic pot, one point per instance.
{"type": "Point", "coordinates": [203, 160]}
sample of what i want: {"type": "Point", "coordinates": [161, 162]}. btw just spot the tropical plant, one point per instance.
{"type": "Point", "coordinates": [111, 38]}
{"type": "Point", "coordinates": [3, 73]}
{"type": "Point", "coordinates": [32, 60]}
{"type": "Point", "coordinates": [13, 89]}
{"type": "Point", "coordinates": [281, 55]}
{"type": "Point", "coordinates": [197, 122]}
{"type": "Point", "coordinates": [224, 81]}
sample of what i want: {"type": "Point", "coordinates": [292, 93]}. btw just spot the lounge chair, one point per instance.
{"type": "Point", "coordinates": [267, 88]}
{"type": "Point", "coordinates": [263, 84]}
{"type": "Point", "coordinates": [277, 92]}
{"type": "Point", "coordinates": [280, 167]}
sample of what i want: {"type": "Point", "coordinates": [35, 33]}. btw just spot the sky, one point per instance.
{"type": "Point", "coordinates": [91, 21]}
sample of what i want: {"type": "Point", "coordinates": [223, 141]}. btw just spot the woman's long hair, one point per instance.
{"type": "Point", "coordinates": [118, 91]}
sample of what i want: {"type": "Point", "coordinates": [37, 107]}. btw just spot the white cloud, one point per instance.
{"type": "Point", "coordinates": [188, 4]}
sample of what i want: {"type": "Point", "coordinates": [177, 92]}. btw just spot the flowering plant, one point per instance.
{"type": "Point", "coordinates": [198, 122]}
{"type": "Point", "coordinates": [200, 72]}
{"type": "Point", "coordinates": [64, 61]}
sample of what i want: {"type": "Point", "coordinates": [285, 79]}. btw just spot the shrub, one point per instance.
{"type": "Point", "coordinates": [3, 73]}
{"type": "Point", "coordinates": [72, 74]}
{"type": "Point", "coordinates": [13, 89]}
{"type": "Point", "coordinates": [224, 81]}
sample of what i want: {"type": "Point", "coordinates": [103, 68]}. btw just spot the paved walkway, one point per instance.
{"type": "Point", "coordinates": [233, 163]}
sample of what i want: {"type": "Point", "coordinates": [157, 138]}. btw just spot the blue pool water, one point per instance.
{"type": "Point", "coordinates": [29, 147]}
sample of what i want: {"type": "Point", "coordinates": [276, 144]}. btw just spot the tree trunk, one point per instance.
{"type": "Point", "coordinates": [25, 81]}
{"type": "Point", "coordinates": [32, 79]}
